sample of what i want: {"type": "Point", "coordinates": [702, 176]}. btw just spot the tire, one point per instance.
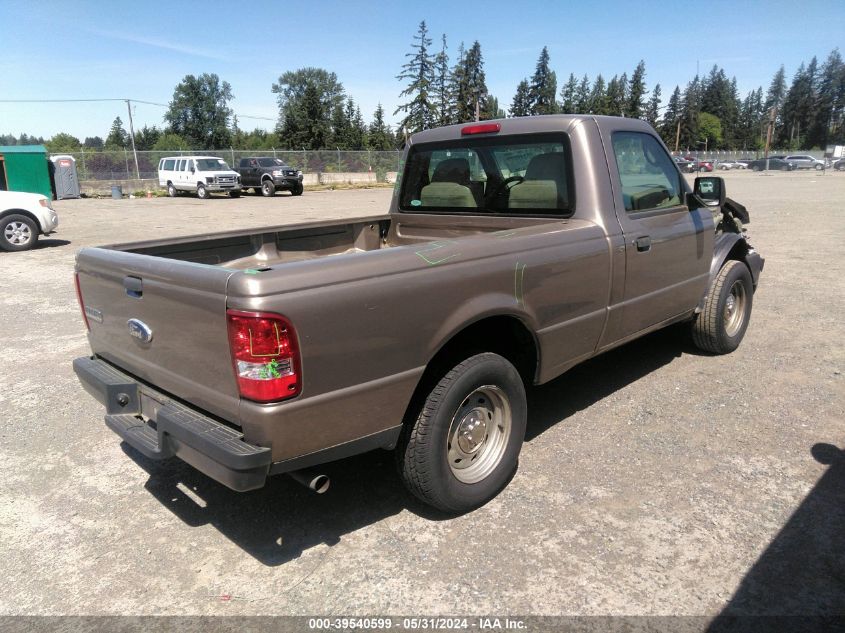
{"type": "Point", "coordinates": [720, 327]}
{"type": "Point", "coordinates": [171, 190]}
{"type": "Point", "coordinates": [234, 194]}
{"type": "Point", "coordinates": [756, 168]}
{"type": "Point", "coordinates": [18, 233]}
{"type": "Point", "coordinates": [202, 192]}
{"type": "Point", "coordinates": [442, 458]}
{"type": "Point", "coordinates": [785, 168]}
{"type": "Point", "coordinates": [297, 190]}
{"type": "Point", "coordinates": [268, 188]}
{"type": "Point", "coordinates": [819, 167]}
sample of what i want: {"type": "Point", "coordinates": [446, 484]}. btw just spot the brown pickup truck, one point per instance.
{"type": "Point", "coordinates": [513, 250]}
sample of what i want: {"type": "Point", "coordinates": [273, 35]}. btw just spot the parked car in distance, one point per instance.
{"type": "Point", "coordinates": [23, 218]}
{"type": "Point", "coordinates": [773, 163]}
{"type": "Point", "coordinates": [839, 165]}
{"type": "Point", "coordinates": [198, 174]}
{"type": "Point", "coordinates": [700, 165]}
{"type": "Point", "coordinates": [268, 175]}
{"type": "Point", "coordinates": [730, 164]}
{"type": "Point", "coordinates": [686, 166]}
{"type": "Point", "coordinates": [804, 161]}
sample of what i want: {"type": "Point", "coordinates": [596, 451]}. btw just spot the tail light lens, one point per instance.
{"type": "Point", "coordinates": [265, 355]}
{"type": "Point", "coordinates": [81, 303]}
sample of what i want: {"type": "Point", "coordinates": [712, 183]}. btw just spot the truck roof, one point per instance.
{"type": "Point", "coordinates": [528, 125]}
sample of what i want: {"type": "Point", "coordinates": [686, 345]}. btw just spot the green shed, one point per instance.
{"type": "Point", "coordinates": [25, 168]}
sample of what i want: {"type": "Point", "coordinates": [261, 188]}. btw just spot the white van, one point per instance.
{"type": "Point", "coordinates": [202, 174]}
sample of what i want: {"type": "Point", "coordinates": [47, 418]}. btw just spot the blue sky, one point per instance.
{"type": "Point", "coordinates": [141, 50]}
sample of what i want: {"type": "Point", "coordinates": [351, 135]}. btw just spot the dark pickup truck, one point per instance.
{"type": "Point", "coordinates": [269, 175]}
{"type": "Point", "coordinates": [513, 250]}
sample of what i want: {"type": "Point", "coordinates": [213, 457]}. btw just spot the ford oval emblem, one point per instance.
{"type": "Point", "coordinates": [140, 330]}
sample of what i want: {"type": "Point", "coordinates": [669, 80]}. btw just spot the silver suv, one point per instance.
{"type": "Point", "coordinates": [803, 161]}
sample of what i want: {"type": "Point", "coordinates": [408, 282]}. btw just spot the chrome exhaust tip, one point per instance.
{"type": "Point", "coordinates": [316, 481]}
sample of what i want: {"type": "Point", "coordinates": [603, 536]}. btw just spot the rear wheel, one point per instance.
{"type": "Point", "coordinates": [202, 192]}
{"type": "Point", "coordinates": [819, 167]}
{"type": "Point", "coordinates": [268, 188]}
{"type": "Point", "coordinates": [17, 233]}
{"type": "Point", "coordinates": [756, 168]}
{"type": "Point", "coordinates": [720, 326]}
{"type": "Point", "coordinates": [463, 446]}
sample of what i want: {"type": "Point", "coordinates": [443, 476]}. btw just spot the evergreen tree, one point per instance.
{"type": "Point", "coordinates": [199, 111]}
{"type": "Point", "coordinates": [379, 136]}
{"type": "Point", "coordinates": [472, 88]}
{"type": "Point", "coordinates": [91, 142]}
{"type": "Point", "coordinates": [543, 87]}
{"type": "Point", "coordinates": [342, 125]}
{"type": "Point", "coordinates": [615, 97]}
{"type": "Point", "coordinates": [146, 137]}
{"type": "Point", "coordinates": [418, 71]}
{"type": "Point", "coordinates": [582, 96]}
{"type": "Point", "coordinates": [636, 93]}
{"type": "Point", "coordinates": [652, 109]}
{"type": "Point", "coordinates": [598, 97]}
{"type": "Point", "coordinates": [775, 97]}
{"type": "Point", "coordinates": [830, 103]}
{"type": "Point", "coordinates": [441, 89]}
{"type": "Point", "coordinates": [307, 100]}
{"type": "Point", "coordinates": [669, 125]}
{"type": "Point", "coordinates": [569, 95]}
{"type": "Point", "coordinates": [690, 109]}
{"type": "Point", "coordinates": [117, 138]}
{"type": "Point", "coordinates": [492, 109]}
{"type": "Point", "coordinates": [521, 105]}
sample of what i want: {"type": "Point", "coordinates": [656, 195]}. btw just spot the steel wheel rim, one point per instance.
{"type": "Point", "coordinates": [266, 188]}
{"type": "Point", "coordinates": [17, 233]}
{"type": "Point", "coordinates": [734, 312]}
{"type": "Point", "coordinates": [478, 434]}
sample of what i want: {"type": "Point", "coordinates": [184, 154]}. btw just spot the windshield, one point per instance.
{"type": "Point", "coordinates": [525, 175]}
{"type": "Point", "coordinates": [270, 162]}
{"type": "Point", "coordinates": [211, 164]}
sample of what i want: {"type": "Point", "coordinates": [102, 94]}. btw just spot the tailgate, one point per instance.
{"type": "Point", "coordinates": [181, 304]}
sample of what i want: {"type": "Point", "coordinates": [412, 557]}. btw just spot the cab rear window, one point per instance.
{"type": "Point", "coordinates": [514, 175]}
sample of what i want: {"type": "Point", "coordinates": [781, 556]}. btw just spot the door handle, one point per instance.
{"type": "Point", "coordinates": [643, 243]}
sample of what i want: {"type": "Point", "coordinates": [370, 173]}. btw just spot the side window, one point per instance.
{"type": "Point", "coordinates": [180, 165]}
{"type": "Point", "coordinates": [650, 180]}
{"type": "Point", "coordinates": [168, 164]}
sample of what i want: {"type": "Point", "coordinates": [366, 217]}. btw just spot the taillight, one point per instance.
{"type": "Point", "coordinates": [81, 303]}
{"type": "Point", "coordinates": [265, 355]}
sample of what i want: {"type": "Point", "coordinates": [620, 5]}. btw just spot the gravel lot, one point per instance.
{"type": "Point", "coordinates": [654, 480]}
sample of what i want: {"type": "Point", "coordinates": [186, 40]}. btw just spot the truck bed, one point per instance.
{"type": "Point", "coordinates": [268, 247]}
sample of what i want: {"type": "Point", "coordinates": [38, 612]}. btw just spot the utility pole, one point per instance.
{"type": "Point", "coordinates": [132, 137]}
{"type": "Point", "coordinates": [773, 113]}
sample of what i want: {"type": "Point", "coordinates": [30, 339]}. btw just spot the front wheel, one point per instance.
{"type": "Point", "coordinates": [17, 233]}
{"type": "Point", "coordinates": [463, 446]}
{"type": "Point", "coordinates": [268, 188]}
{"type": "Point", "coordinates": [297, 190]}
{"type": "Point", "coordinates": [202, 192]}
{"type": "Point", "coordinates": [720, 326]}
{"type": "Point", "coordinates": [234, 194]}
{"type": "Point", "coordinates": [171, 190]}
{"type": "Point", "coordinates": [819, 167]}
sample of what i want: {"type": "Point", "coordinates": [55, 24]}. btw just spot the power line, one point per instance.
{"type": "Point", "coordinates": [152, 103]}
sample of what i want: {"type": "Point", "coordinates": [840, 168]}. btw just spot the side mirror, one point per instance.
{"type": "Point", "coordinates": [193, 170]}
{"type": "Point", "coordinates": [710, 190]}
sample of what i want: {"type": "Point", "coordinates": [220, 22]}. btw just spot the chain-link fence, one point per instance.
{"type": "Point", "coordinates": [120, 165]}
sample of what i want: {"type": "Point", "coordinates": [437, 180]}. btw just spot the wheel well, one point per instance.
{"type": "Point", "coordinates": [265, 177]}
{"type": "Point", "coordinates": [503, 335]}
{"type": "Point", "coordinates": [24, 212]}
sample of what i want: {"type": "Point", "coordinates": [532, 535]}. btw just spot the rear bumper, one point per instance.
{"type": "Point", "coordinates": [170, 429]}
